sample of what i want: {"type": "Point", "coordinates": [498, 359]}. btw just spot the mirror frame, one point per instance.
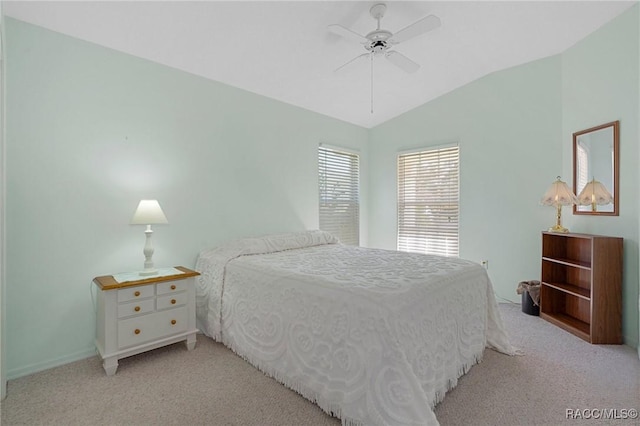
{"type": "Point", "coordinates": [616, 168]}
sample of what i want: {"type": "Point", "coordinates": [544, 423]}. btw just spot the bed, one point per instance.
{"type": "Point", "coordinates": [372, 336]}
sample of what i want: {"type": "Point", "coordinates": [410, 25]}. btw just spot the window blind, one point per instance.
{"type": "Point", "coordinates": [583, 168]}
{"type": "Point", "coordinates": [338, 178]}
{"type": "Point", "coordinates": [428, 201]}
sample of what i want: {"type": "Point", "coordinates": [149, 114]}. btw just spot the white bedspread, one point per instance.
{"type": "Point", "coordinates": [372, 336]}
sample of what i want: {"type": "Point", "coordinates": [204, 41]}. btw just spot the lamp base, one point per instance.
{"type": "Point", "coordinates": [559, 229]}
{"type": "Point", "coordinates": [148, 272]}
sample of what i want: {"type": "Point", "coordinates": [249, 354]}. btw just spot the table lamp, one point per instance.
{"type": "Point", "coordinates": [559, 195]}
{"type": "Point", "coordinates": [595, 193]}
{"type": "Point", "coordinates": [148, 213]}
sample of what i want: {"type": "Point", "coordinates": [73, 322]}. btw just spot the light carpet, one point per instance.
{"type": "Point", "coordinates": [211, 385]}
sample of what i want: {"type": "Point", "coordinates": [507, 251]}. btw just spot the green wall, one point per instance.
{"type": "Point", "coordinates": [90, 132]}
{"type": "Point", "coordinates": [600, 84]}
{"type": "Point", "coordinates": [515, 130]}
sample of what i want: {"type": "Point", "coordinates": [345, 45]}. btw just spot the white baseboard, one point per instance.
{"type": "Point", "coordinates": [41, 366]}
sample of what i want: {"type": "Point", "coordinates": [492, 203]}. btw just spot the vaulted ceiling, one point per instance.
{"type": "Point", "coordinates": [283, 50]}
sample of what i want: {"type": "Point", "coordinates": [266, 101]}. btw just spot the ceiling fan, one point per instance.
{"type": "Point", "coordinates": [379, 41]}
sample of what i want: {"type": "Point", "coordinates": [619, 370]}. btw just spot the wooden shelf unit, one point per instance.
{"type": "Point", "coordinates": [581, 285]}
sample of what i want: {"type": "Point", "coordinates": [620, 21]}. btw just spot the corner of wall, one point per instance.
{"type": "Point", "coordinates": [3, 378]}
{"type": "Point", "coordinates": [638, 24]}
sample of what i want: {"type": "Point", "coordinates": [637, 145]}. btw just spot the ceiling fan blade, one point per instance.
{"type": "Point", "coordinates": [426, 24]}
{"type": "Point", "coordinates": [347, 33]}
{"type": "Point", "coordinates": [364, 55]}
{"type": "Point", "coordinates": [401, 61]}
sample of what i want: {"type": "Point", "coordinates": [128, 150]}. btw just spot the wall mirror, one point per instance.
{"type": "Point", "coordinates": [596, 170]}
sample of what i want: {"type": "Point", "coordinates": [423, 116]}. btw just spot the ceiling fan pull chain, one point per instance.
{"type": "Point", "coordinates": [371, 82]}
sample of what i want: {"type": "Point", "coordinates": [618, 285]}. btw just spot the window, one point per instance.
{"type": "Point", "coordinates": [338, 179]}
{"type": "Point", "coordinates": [428, 211]}
{"type": "Point", "coordinates": [583, 167]}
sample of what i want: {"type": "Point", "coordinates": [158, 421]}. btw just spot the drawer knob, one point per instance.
{"type": "Point", "coordinates": [136, 294]}
{"type": "Point", "coordinates": [173, 322]}
{"type": "Point", "coordinates": [173, 301]}
{"type": "Point", "coordinates": [173, 286]}
{"type": "Point", "coordinates": [136, 331]}
{"type": "Point", "coordinates": [137, 309]}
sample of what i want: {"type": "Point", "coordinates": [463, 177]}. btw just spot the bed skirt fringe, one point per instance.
{"type": "Point", "coordinates": [452, 383]}
{"type": "Point", "coordinates": [328, 407]}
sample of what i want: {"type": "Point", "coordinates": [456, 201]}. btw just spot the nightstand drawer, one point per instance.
{"type": "Point", "coordinates": [171, 287]}
{"type": "Point", "coordinates": [136, 307]}
{"type": "Point", "coordinates": [171, 300]}
{"type": "Point", "coordinates": [142, 329]}
{"type": "Point", "coordinates": [133, 293]}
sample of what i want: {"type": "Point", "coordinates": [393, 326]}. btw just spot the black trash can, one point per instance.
{"type": "Point", "coordinates": [528, 307]}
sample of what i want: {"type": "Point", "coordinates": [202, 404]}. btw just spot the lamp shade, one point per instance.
{"type": "Point", "coordinates": [595, 192]}
{"type": "Point", "coordinates": [148, 213]}
{"type": "Point", "coordinates": [559, 194]}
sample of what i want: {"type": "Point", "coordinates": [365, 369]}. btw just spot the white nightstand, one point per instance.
{"type": "Point", "coordinates": [137, 316]}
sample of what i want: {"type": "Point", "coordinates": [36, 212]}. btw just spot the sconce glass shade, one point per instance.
{"type": "Point", "coordinates": [595, 193]}
{"type": "Point", "coordinates": [559, 195]}
{"type": "Point", "coordinates": [148, 213]}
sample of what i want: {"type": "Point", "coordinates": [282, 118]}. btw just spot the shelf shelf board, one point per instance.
{"type": "Point", "coordinates": [568, 262]}
{"type": "Point", "coordinates": [571, 324]}
{"type": "Point", "coordinates": [570, 289]}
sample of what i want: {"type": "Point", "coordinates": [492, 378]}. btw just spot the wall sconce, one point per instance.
{"type": "Point", "coordinates": [148, 213]}
{"type": "Point", "coordinates": [559, 195]}
{"type": "Point", "coordinates": [594, 193]}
